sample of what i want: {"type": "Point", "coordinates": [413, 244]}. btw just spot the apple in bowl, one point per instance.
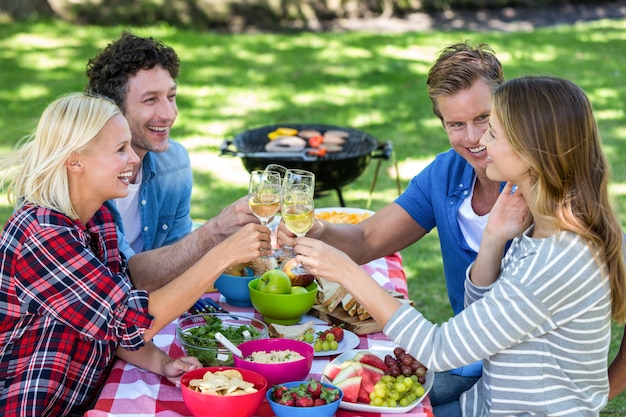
{"type": "Point", "coordinates": [274, 281]}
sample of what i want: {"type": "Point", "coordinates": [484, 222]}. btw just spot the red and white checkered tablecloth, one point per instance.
{"type": "Point", "coordinates": [131, 391]}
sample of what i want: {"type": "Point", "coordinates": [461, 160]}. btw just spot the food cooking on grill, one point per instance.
{"type": "Point", "coordinates": [337, 133]}
{"type": "Point", "coordinates": [286, 144]}
{"type": "Point", "coordinates": [309, 133]}
{"type": "Point", "coordinates": [290, 140]}
{"type": "Point", "coordinates": [335, 138]}
{"type": "Point", "coordinates": [282, 131]}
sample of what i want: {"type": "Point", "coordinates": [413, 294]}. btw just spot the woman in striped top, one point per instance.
{"type": "Point", "coordinates": [541, 316]}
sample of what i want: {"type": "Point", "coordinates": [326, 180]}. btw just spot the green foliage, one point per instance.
{"type": "Point", "coordinates": [368, 81]}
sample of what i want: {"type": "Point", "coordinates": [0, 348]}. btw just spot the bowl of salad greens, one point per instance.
{"type": "Point", "coordinates": [196, 335]}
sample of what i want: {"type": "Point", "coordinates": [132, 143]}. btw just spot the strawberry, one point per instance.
{"type": "Point", "coordinates": [330, 394]}
{"type": "Point", "coordinates": [304, 400]}
{"type": "Point", "coordinates": [314, 389]}
{"type": "Point", "coordinates": [286, 400]}
{"type": "Point", "coordinates": [318, 401]}
{"type": "Point", "coordinates": [279, 391]}
{"type": "Point", "coordinates": [338, 332]}
{"type": "Point", "coordinates": [322, 334]}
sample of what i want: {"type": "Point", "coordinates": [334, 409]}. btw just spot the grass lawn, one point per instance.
{"type": "Point", "coordinates": [373, 82]}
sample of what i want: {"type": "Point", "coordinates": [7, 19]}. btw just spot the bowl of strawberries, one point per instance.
{"type": "Point", "coordinates": [312, 399]}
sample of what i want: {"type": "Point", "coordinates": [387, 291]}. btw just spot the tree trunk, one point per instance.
{"type": "Point", "coordinates": [24, 9]}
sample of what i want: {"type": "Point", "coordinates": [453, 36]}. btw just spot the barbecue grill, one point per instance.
{"type": "Point", "coordinates": [332, 170]}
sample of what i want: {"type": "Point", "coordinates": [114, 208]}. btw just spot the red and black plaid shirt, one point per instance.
{"type": "Point", "coordinates": [66, 304]}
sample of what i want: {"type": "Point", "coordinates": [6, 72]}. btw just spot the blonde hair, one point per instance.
{"type": "Point", "coordinates": [550, 124]}
{"type": "Point", "coordinates": [36, 171]}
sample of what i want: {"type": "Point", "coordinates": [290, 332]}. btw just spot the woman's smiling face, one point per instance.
{"type": "Point", "coordinates": [108, 162]}
{"type": "Point", "coordinates": [503, 163]}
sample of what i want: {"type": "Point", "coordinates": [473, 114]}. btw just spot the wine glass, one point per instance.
{"type": "Point", "coordinates": [298, 213]}
{"type": "Point", "coordinates": [278, 169]}
{"type": "Point", "coordinates": [295, 176]}
{"type": "Point", "coordinates": [264, 194]}
{"type": "Point", "coordinates": [300, 176]}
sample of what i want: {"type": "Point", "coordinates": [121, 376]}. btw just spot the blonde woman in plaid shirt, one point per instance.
{"type": "Point", "coordinates": [67, 305]}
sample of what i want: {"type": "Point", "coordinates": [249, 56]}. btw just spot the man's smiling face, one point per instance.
{"type": "Point", "coordinates": [151, 109]}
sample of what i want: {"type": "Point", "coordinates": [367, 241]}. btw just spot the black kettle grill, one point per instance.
{"type": "Point", "coordinates": [332, 170]}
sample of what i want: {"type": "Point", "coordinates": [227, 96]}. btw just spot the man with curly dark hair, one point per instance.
{"type": "Point", "coordinates": [155, 227]}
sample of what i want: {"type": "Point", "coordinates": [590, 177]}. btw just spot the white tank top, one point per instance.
{"type": "Point", "coordinates": [472, 225]}
{"type": "Point", "coordinates": [131, 217]}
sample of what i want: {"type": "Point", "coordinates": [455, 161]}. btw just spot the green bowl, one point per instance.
{"type": "Point", "coordinates": [282, 308]}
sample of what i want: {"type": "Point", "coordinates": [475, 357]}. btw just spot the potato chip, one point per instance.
{"type": "Point", "coordinates": [227, 382]}
{"type": "Point", "coordinates": [230, 374]}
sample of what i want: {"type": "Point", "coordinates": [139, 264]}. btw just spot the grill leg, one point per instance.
{"type": "Point", "coordinates": [341, 202]}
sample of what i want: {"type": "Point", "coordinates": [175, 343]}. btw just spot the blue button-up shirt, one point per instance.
{"type": "Point", "coordinates": [164, 199]}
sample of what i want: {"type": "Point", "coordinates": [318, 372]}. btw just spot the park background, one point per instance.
{"type": "Point", "coordinates": [361, 68]}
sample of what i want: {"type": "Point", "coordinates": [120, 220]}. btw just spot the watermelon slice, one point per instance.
{"type": "Point", "coordinates": [331, 370]}
{"type": "Point", "coordinates": [369, 375]}
{"type": "Point", "coordinates": [367, 386]}
{"type": "Point", "coordinates": [371, 359]}
{"type": "Point", "coordinates": [352, 369]}
{"type": "Point", "coordinates": [373, 374]}
{"type": "Point", "coordinates": [350, 387]}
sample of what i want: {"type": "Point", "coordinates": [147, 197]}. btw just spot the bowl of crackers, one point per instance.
{"type": "Point", "coordinates": [223, 391]}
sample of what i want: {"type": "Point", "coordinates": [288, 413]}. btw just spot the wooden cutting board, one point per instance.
{"type": "Point", "coordinates": [352, 323]}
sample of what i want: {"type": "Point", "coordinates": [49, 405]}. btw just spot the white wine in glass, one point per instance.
{"type": "Point", "coordinates": [298, 218]}
{"type": "Point", "coordinates": [264, 194]}
{"type": "Point", "coordinates": [298, 213]}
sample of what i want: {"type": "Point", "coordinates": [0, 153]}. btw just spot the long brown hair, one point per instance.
{"type": "Point", "coordinates": [550, 124]}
